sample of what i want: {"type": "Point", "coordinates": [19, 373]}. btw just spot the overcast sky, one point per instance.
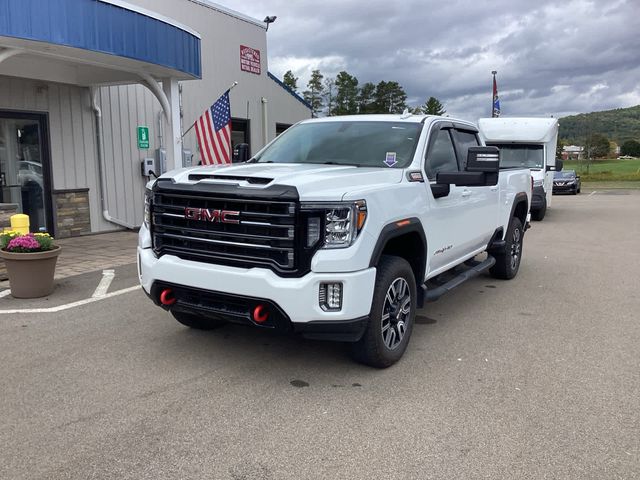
{"type": "Point", "coordinates": [552, 57]}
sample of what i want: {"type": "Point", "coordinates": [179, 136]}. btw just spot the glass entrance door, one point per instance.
{"type": "Point", "coordinates": [24, 166]}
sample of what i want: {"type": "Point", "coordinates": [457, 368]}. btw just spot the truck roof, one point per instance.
{"type": "Point", "coordinates": [518, 129]}
{"type": "Point", "coordinates": [391, 117]}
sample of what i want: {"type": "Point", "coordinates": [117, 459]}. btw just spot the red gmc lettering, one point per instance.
{"type": "Point", "coordinates": [212, 215]}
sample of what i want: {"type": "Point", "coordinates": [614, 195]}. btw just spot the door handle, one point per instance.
{"type": "Point", "coordinates": [466, 193]}
{"type": "Point", "coordinates": [494, 188]}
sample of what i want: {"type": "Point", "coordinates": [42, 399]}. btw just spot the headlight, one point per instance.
{"type": "Point", "coordinates": [538, 183]}
{"type": "Point", "coordinates": [148, 195]}
{"type": "Point", "coordinates": [342, 223]}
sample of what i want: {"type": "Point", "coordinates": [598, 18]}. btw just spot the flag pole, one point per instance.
{"type": "Point", "coordinates": [194, 123]}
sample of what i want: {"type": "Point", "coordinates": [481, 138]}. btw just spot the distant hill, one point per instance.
{"type": "Point", "coordinates": [618, 125]}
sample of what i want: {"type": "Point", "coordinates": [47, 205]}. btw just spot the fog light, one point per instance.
{"type": "Point", "coordinates": [330, 296]}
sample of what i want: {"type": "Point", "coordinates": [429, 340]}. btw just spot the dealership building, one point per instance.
{"type": "Point", "coordinates": [89, 89]}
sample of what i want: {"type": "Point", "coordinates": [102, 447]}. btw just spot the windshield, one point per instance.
{"type": "Point", "coordinates": [363, 144]}
{"type": "Point", "coordinates": [565, 174]}
{"type": "Point", "coordinates": [525, 156]}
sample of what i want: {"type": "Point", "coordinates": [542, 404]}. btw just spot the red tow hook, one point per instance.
{"type": "Point", "coordinates": [167, 298]}
{"type": "Point", "coordinates": [260, 314]}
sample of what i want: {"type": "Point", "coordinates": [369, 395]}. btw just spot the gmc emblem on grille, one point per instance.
{"type": "Point", "coordinates": [211, 215]}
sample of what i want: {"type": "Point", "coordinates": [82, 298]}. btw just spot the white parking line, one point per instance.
{"type": "Point", "coordinates": [593, 193]}
{"type": "Point", "coordinates": [67, 306]}
{"type": "Point", "coordinates": [105, 283]}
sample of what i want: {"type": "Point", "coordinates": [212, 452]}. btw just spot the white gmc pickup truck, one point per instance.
{"type": "Point", "coordinates": [339, 229]}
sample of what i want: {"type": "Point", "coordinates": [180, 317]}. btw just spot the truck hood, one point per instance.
{"type": "Point", "coordinates": [313, 182]}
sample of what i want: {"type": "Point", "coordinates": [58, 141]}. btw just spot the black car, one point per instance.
{"type": "Point", "coordinates": [566, 181]}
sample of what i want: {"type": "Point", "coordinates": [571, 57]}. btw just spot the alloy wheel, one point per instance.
{"type": "Point", "coordinates": [395, 313]}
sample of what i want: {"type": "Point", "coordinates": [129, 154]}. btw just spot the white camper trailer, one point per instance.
{"type": "Point", "coordinates": [530, 143]}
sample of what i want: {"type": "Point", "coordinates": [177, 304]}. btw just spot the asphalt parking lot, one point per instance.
{"type": "Point", "coordinates": [538, 378]}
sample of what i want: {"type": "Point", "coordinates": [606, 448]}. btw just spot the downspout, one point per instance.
{"type": "Point", "coordinates": [265, 126]}
{"type": "Point", "coordinates": [101, 165]}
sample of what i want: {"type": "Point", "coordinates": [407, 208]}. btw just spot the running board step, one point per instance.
{"type": "Point", "coordinates": [433, 294]}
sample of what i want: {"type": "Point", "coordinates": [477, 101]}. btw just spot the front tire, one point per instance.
{"type": "Point", "coordinates": [196, 321]}
{"type": "Point", "coordinates": [508, 263]}
{"type": "Point", "coordinates": [539, 214]}
{"type": "Point", "coordinates": [392, 316]}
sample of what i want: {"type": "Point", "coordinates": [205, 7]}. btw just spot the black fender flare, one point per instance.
{"type": "Point", "coordinates": [397, 229]}
{"type": "Point", "coordinates": [518, 199]}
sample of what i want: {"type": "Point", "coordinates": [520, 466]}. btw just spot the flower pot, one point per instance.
{"type": "Point", "coordinates": [31, 274]}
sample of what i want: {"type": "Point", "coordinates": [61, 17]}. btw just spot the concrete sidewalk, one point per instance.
{"type": "Point", "coordinates": [94, 252]}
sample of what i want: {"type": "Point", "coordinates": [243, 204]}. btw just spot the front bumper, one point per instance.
{"type": "Point", "coordinates": [296, 299]}
{"type": "Point", "coordinates": [565, 188]}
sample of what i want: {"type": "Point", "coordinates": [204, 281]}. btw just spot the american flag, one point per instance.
{"type": "Point", "coordinates": [496, 100]}
{"type": "Point", "coordinates": [213, 130]}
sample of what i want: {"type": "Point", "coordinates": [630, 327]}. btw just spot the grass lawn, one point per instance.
{"type": "Point", "coordinates": [607, 170]}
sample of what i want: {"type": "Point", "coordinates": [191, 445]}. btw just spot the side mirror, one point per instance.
{"type": "Point", "coordinates": [483, 166]}
{"type": "Point", "coordinates": [483, 159]}
{"type": "Point", "coordinates": [557, 167]}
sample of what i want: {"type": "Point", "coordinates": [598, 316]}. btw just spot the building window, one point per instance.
{"type": "Point", "coordinates": [240, 129]}
{"type": "Point", "coordinates": [281, 127]}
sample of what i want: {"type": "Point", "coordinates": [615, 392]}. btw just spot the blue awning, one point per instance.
{"type": "Point", "coordinates": [105, 27]}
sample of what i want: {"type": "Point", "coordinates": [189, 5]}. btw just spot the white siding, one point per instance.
{"type": "Point", "coordinates": [71, 132]}
{"type": "Point", "coordinates": [124, 108]}
{"type": "Point", "coordinates": [72, 122]}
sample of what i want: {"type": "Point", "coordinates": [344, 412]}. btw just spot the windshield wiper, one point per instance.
{"type": "Point", "coordinates": [341, 163]}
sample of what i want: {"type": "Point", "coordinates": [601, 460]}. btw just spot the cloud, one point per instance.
{"type": "Point", "coordinates": [552, 58]}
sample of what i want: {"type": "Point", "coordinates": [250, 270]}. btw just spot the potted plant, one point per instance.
{"type": "Point", "coordinates": [31, 262]}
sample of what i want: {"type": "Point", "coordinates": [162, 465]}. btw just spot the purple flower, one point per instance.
{"type": "Point", "coordinates": [23, 244]}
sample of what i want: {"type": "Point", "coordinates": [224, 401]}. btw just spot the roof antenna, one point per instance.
{"type": "Point", "coordinates": [406, 113]}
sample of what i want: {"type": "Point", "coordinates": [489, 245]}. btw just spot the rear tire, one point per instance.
{"type": "Point", "coordinates": [392, 316]}
{"type": "Point", "coordinates": [196, 321]}
{"type": "Point", "coordinates": [539, 214]}
{"type": "Point", "coordinates": [508, 263]}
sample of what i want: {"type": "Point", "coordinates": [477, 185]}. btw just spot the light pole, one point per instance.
{"type": "Point", "coordinates": [269, 20]}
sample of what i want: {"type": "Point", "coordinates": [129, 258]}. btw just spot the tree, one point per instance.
{"type": "Point", "coordinates": [314, 93]}
{"type": "Point", "coordinates": [366, 98]}
{"type": "Point", "coordinates": [390, 98]}
{"type": "Point", "coordinates": [631, 148]}
{"type": "Point", "coordinates": [346, 95]}
{"type": "Point", "coordinates": [290, 80]}
{"type": "Point", "coordinates": [597, 146]}
{"type": "Point", "coordinates": [329, 94]}
{"type": "Point", "coordinates": [433, 107]}
{"type": "Point", "coordinates": [560, 147]}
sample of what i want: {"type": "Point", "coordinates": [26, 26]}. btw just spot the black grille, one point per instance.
{"type": "Point", "coordinates": [266, 235]}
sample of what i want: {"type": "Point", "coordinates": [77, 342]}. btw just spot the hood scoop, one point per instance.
{"type": "Point", "coordinates": [196, 177]}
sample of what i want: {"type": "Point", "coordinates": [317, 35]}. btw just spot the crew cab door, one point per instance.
{"type": "Point", "coordinates": [445, 222]}
{"type": "Point", "coordinates": [463, 220]}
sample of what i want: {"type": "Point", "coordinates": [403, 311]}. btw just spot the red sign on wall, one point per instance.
{"type": "Point", "coordinates": [249, 59]}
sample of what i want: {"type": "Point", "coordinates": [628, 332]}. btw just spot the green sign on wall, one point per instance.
{"type": "Point", "coordinates": [143, 138]}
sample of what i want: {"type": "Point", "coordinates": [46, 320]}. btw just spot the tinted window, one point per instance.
{"type": "Point", "coordinates": [441, 156]}
{"type": "Point", "coordinates": [466, 139]}
{"type": "Point", "coordinates": [565, 174]}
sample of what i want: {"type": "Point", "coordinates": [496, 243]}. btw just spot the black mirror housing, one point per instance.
{"type": "Point", "coordinates": [483, 159]}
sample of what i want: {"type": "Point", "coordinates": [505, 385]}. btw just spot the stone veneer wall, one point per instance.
{"type": "Point", "coordinates": [6, 210]}
{"type": "Point", "coordinates": [71, 215]}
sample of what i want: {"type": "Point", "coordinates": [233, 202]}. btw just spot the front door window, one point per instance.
{"type": "Point", "coordinates": [22, 179]}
